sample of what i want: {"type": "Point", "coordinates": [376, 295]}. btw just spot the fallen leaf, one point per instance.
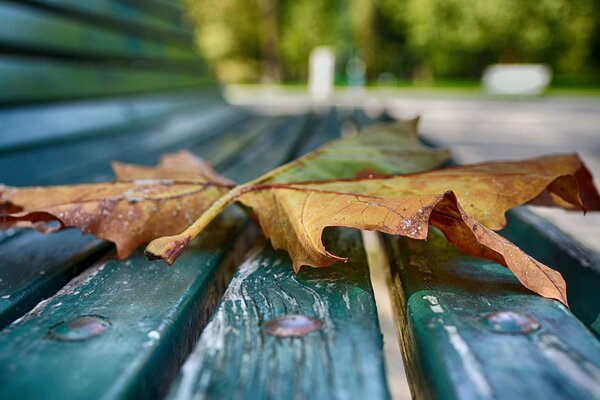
{"type": "Point", "coordinates": [377, 151]}
{"type": "Point", "coordinates": [462, 202]}
{"type": "Point", "coordinates": [182, 166]}
{"type": "Point", "coordinates": [348, 183]}
{"type": "Point", "coordinates": [149, 202]}
{"type": "Point", "coordinates": [146, 202]}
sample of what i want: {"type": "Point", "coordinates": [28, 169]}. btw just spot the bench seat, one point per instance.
{"type": "Point", "coordinates": [77, 323]}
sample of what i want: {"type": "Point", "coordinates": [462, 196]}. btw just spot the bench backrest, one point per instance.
{"type": "Point", "coordinates": [66, 49]}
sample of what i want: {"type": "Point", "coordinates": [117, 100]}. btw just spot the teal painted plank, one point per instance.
{"type": "Point", "coordinates": [48, 33]}
{"type": "Point", "coordinates": [452, 351]}
{"type": "Point", "coordinates": [155, 312]}
{"type": "Point", "coordinates": [87, 159]}
{"type": "Point", "coordinates": [236, 357]}
{"type": "Point", "coordinates": [258, 162]}
{"type": "Point", "coordinates": [167, 10]}
{"type": "Point", "coordinates": [7, 234]}
{"type": "Point", "coordinates": [328, 128]}
{"type": "Point", "coordinates": [41, 125]}
{"type": "Point", "coordinates": [579, 266]}
{"type": "Point", "coordinates": [34, 266]}
{"type": "Point", "coordinates": [119, 11]}
{"type": "Point", "coordinates": [26, 80]}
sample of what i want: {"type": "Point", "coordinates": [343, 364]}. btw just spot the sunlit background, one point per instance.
{"type": "Point", "coordinates": [401, 42]}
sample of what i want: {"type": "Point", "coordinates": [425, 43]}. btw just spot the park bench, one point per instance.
{"type": "Point", "coordinates": [86, 82]}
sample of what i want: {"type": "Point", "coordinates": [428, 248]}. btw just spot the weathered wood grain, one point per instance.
{"type": "Point", "coordinates": [236, 357]}
{"type": "Point", "coordinates": [153, 312]}
{"type": "Point", "coordinates": [34, 266]}
{"type": "Point", "coordinates": [443, 297]}
{"type": "Point", "coordinates": [579, 266]}
{"type": "Point", "coordinates": [156, 313]}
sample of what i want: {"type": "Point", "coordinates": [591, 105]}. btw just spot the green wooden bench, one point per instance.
{"type": "Point", "coordinates": [86, 82]}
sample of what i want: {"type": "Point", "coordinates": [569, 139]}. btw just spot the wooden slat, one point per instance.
{"type": "Point", "coordinates": [454, 349]}
{"type": "Point", "coordinates": [167, 10]}
{"type": "Point", "coordinates": [155, 313]}
{"type": "Point", "coordinates": [120, 15]}
{"type": "Point", "coordinates": [441, 297]}
{"type": "Point", "coordinates": [34, 266]}
{"type": "Point", "coordinates": [29, 30]}
{"type": "Point", "coordinates": [579, 266]}
{"type": "Point", "coordinates": [236, 358]}
{"type": "Point", "coordinates": [87, 159]}
{"type": "Point", "coordinates": [24, 127]}
{"type": "Point", "coordinates": [29, 79]}
{"type": "Point", "coordinates": [50, 261]}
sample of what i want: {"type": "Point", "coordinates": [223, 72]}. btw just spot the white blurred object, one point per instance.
{"type": "Point", "coordinates": [321, 72]}
{"type": "Point", "coordinates": [516, 79]}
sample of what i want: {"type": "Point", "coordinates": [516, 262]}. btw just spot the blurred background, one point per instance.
{"type": "Point", "coordinates": [444, 43]}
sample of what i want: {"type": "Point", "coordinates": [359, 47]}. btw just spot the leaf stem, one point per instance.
{"type": "Point", "coordinates": [169, 248]}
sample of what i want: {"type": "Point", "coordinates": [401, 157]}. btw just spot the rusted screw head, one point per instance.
{"type": "Point", "coordinates": [80, 328]}
{"type": "Point", "coordinates": [291, 325]}
{"type": "Point", "coordinates": [510, 322]}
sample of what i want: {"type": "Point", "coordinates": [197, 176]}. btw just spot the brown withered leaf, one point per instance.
{"type": "Point", "coordinates": [182, 166]}
{"type": "Point", "coordinates": [145, 202]}
{"type": "Point", "coordinates": [463, 202]}
{"type": "Point", "coordinates": [150, 202]}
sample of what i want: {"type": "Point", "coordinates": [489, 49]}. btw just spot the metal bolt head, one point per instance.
{"type": "Point", "coordinates": [291, 325]}
{"type": "Point", "coordinates": [80, 328]}
{"type": "Point", "coordinates": [510, 322]}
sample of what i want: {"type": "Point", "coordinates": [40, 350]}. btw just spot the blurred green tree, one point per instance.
{"type": "Point", "coordinates": [414, 39]}
{"type": "Point", "coordinates": [461, 37]}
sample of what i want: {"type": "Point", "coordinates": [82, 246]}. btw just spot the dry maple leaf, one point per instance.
{"type": "Point", "coordinates": [145, 202]}
{"type": "Point", "coordinates": [463, 202]}
{"type": "Point", "coordinates": [344, 183]}
{"type": "Point", "coordinates": [150, 202]}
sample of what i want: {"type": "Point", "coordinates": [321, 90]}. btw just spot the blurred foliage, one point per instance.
{"type": "Point", "coordinates": [250, 40]}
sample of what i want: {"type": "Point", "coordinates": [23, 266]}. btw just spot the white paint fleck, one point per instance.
{"type": "Point", "coordinates": [434, 304]}
{"type": "Point", "coordinates": [469, 362]}
{"type": "Point", "coordinates": [154, 335]}
{"type": "Point", "coordinates": [69, 289]}
{"type": "Point", "coordinates": [37, 310]}
{"type": "Point", "coordinates": [214, 335]}
{"type": "Point", "coordinates": [346, 298]}
{"type": "Point", "coordinates": [573, 365]}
